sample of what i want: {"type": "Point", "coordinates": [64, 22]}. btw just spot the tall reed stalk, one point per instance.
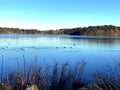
{"type": "Point", "coordinates": [1, 72]}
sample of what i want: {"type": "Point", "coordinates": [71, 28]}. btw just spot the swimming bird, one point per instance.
{"type": "Point", "coordinates": [2, 48]}
{"type": "Point", "coordinates": [74, 44]}
{"type": "Point", "coordinates": [23, 49]}
{"type": "Point", "coordinates": [56, 47]}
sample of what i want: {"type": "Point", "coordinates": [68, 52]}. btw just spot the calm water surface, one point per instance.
{"type": "Point", "coordinates": [98, 52]}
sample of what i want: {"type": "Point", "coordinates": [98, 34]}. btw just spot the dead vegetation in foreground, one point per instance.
{"type": "Point", "coordinates": [57, 77]}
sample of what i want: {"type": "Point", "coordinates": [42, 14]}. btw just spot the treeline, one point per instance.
{"type": "Point", "coordinates": [105, 30]}
{"type": "Point", "coordinates": [26, 31]}
{"type": "Point", "coordinates": [18, 31]}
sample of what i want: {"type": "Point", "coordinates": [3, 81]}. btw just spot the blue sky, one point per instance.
{"type": "Point", "coordinates": [55, 14]}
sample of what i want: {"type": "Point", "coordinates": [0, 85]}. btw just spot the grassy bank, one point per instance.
{"type": "Point", "coordinates": [58, 77]}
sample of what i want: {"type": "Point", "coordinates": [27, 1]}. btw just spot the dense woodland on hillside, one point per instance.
{"type": "Point", "coordinates": [106, 30]}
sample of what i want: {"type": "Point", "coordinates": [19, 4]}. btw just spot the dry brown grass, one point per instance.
{"type": "Point", "coordinates": [57, 77]}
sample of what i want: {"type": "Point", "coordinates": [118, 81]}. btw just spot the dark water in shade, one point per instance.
{"type": "Point", "coordinates": [98, 52]}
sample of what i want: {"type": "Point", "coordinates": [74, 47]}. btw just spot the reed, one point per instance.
{"type": "Point", "coordinates": [57, 77]}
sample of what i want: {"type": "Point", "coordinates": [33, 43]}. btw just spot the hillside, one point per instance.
{"type": "Point", "coordinates": [106, 30]}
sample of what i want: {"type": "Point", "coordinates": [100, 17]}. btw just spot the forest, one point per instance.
{"type": "Point", "coordinates": [103, 30]}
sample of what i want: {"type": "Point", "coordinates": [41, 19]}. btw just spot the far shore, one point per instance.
{"type": "Point", "coordinates": [103, 30]}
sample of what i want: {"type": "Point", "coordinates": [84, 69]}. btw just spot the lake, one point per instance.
{"type": "Point", "coordinates": [97, 51]}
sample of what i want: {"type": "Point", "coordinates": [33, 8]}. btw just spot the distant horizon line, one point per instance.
{"type": "Point", "coordinates": [59, 28]}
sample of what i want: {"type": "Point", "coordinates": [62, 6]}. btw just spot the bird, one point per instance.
{"type": "Point", "coordinates": [22, 49]}
{"type": "Point", "coordinates": [56, 47]}
{"type": "Point", "coordinates": [74, 44]}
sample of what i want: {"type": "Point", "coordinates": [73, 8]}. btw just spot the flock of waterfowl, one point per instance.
{"type": "Point", "coordinates": [64, 47]}
{"type": "Point", "coordinates": [23, 49]}
{"type": "Point", "coordinates": [67, 47]}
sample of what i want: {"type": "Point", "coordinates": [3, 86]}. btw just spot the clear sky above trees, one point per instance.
{"type": "Point", "coordinates": [55, 14]}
